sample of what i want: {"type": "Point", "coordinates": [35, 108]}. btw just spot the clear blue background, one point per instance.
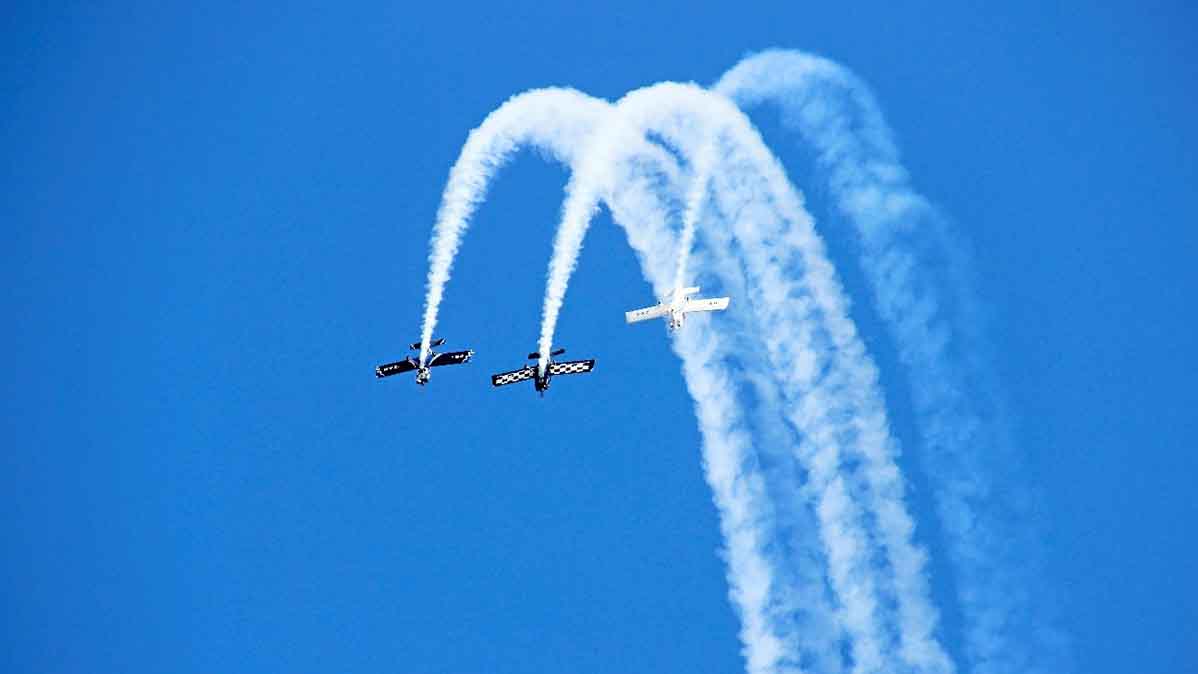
{"type": "Point", "coordinates": [216, 223]}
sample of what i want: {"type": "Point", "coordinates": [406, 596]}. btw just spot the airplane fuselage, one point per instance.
{"type": "Point", "coordinates": [677, 316]}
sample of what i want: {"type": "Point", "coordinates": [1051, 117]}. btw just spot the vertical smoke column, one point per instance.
{"type": "Point", "coordinates": [775, 591]}
{"type": "Point", "coordinates": [918, 274]}
{"type": "Point", "coordinates": [700, 175]}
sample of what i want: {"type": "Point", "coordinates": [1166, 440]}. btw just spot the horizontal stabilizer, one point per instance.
{"type": "Point", "coordinates": [648, 313]}
{"type": "Point", "coordinates": [436, 342]}
{"type": "Point", "coordinates": [505, 378]}
{"type": "Point", "coordinates": [714, 304]}
{"type": "Point", "coordinates": [397, 367]}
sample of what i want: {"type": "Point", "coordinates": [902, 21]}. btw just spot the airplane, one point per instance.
{"type": "Point", "coordinates": [434, 360]}
{"type": "Point", "coordinates": [553, 368]}
{"type": "Point", "coordinates": [675, 308]}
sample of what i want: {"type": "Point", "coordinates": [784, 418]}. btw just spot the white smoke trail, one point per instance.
{"type": "Point", "coordinates": [818, 408]}
{"type": "Point", "coordinates": [832, 396]}
{"type": "Point", "coordinates": [556, 121]}
{"type": "Point", "coordinates": [802, 608]}
{"type": "Point", "coordinates": [936, 326]}
{"type": "Point", "coordinates": [738, 487]}
{"type": "Point", "coordinates": [597, 171]}
{"type": "Point", "coordinates": [700, 174]}
{"type": "Point", "coordinates": [787, 622]}
{"type": "Point", "coordinates": [838, 409]}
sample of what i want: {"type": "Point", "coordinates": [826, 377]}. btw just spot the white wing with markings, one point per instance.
{"type": "Point", "coordinates": [714, 304]}
{"type": "Point", "coordinates": [648, 313]}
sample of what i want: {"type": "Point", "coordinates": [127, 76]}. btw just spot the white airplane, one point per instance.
{"type": "Point", "coordinates": [675, 308]}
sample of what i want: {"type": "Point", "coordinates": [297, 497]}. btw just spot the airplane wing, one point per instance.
{"type": "Point", "coordinates": [715, 304]}
{"type": "Point", "coordinates": [394, 368]}
{"type": "Point", "coordinates": [638, 315]}
{"type": "Point", "coordinates": [452, 358]}
{"type": "Point", "coordinates": [505, 378]}
{"type": "Point", "coordinates": [572, 367]}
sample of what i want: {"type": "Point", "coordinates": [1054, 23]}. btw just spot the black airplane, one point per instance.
{"type": "Point", "coordinates": [434, 360]}
{"type": "Point", "coordinates": [553, 368]}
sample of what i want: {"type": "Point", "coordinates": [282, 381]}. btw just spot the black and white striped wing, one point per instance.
{"type": "Point", "coordinates": [452, 358]}
{"type": "Point", "coordinates": [397, 367]}
{"type": "Point", "coordinates": [505, 378]}
{"type": "Point", "coordinates": [572, 367]}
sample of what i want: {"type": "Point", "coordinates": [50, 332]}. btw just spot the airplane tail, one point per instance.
{"type": "Point", "coordinates": [415, 346]}
{"type": "Point", "coordinates": [678, 293]}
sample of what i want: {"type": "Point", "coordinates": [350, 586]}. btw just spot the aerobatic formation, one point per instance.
{"type": "Point", "coordinates": [827, 568]}
{"type": "Point", "coordinates": [673, 309]}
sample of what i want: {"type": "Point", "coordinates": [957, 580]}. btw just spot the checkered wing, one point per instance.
{"type": "Point", "coordinates": [505, 378]}
{"type": "Point", "coordinates": [572, 367]}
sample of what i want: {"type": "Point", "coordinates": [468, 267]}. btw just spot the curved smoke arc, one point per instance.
{"type": "Point", "coordinates": [554, 120]}
{"type": "Point", "coordinates": [566, 117]}
{"type": "Point", "coordinates": [829, 383]}
{"type": "Point", "coordinates": [832, 396]}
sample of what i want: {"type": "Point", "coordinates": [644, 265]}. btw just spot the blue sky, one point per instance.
{"type": "Point", "coordinates": [217, 223]}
